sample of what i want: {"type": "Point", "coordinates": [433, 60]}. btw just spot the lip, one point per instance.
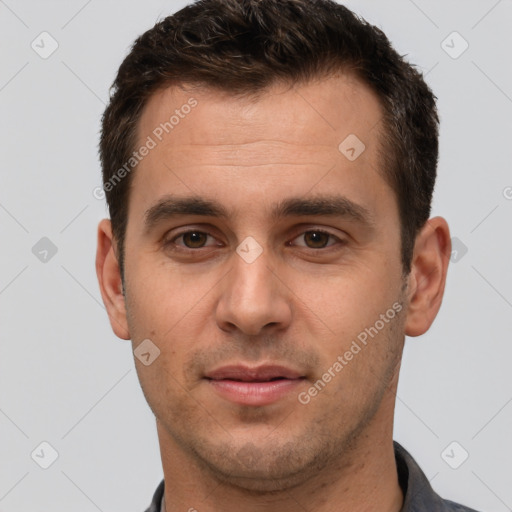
{"type": "Point", "coordinates": [256, 386]}
{"type": "Point", "coordinates": [258, 373]}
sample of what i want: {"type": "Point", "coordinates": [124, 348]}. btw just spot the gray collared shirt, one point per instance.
{"type": "Point", "coordinates": [418, 494]}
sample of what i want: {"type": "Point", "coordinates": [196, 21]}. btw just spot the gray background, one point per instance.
{"type": "Point", "coordinates": [67, 380]}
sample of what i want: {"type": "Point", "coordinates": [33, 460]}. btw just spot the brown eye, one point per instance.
{"type": "Point", "coordinates": [194, 239]}
{"type": "Point", "coordinates": [191, 243]}
{"type": "Point", "coordinates": [316, 239]}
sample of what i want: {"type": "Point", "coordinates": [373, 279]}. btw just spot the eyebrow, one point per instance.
{"type": "Point", "coordinates": [331, 206]}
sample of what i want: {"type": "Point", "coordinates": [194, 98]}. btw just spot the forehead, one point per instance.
{"type": "Point", "coordinates": [317, 113]}
{"type": "Point", "coordinates": [285, 142]}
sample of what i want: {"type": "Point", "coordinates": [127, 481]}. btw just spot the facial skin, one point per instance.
{"type": "Point", "coordinates": [298, 304]}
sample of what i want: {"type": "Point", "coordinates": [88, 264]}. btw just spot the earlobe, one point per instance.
{"type": "Point", "coordinates": [428, 275]}
{"type": "Point", "coordinates": [109, 279]}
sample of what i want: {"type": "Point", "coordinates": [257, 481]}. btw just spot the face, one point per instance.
{"type": "Point", "coordinates": [264, 263]}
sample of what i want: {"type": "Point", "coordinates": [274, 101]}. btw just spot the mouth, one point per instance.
{"type": "Point", "coordinates": [262, 385]}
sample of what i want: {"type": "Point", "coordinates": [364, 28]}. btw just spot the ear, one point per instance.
{"type": "Point", "coordinates": [109, 278]}
{"type": "Point", "coordinates": [432, 251]}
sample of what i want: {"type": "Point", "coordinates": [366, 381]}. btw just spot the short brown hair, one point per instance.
{"type": "Point", "coordinates": [244, 46]}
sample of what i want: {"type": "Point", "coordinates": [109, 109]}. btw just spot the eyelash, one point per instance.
{"type": "Point", "coordinates": [172, 241]}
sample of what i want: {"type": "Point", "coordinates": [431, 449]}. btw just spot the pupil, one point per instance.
{"type": "Point", "coordinates": [194, 239]}
{"type": "Point", "coordinates": [318, 239]}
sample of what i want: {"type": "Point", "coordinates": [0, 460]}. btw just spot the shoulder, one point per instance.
{"type": "Point", "coordinates": [419, 496]}
{"type": "Point", "coordinates": [456, 507]}
{"type": "Point", "coordinates": [157, 499]}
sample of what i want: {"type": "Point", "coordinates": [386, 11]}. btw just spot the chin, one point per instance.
{"type": "Point", "coordinates": [263, 469]}
{"type": "Point", "coordinates": [259, 480]}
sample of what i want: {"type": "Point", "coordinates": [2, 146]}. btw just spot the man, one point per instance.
{"type": "Point", "coordinates": [269, 168]}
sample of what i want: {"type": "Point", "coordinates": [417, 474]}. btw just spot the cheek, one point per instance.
{"type": "Point", "coordinates": [173, 310]}
{"type": "Point", "coordinates": [160, 297]}
{"type": "Point", "coordinates": [348, 300]}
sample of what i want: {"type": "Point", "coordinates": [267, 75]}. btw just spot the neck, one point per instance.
{"type": "Point", "coordinates": [364, 479]}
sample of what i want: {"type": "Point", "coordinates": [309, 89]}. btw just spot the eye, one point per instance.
{"type": "Point", "coordinates": [193, 239]}
{"type": "Point", "coordinates": [317, 239]}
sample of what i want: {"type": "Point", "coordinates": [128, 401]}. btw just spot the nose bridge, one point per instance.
{"type": "Point", "coordinates": [252, 279]}
{"type": "Point", "coordinates": [252, 297]}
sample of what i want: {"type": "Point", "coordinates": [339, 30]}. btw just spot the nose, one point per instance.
{"type": "Point", "coordinates": [254, 299]}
